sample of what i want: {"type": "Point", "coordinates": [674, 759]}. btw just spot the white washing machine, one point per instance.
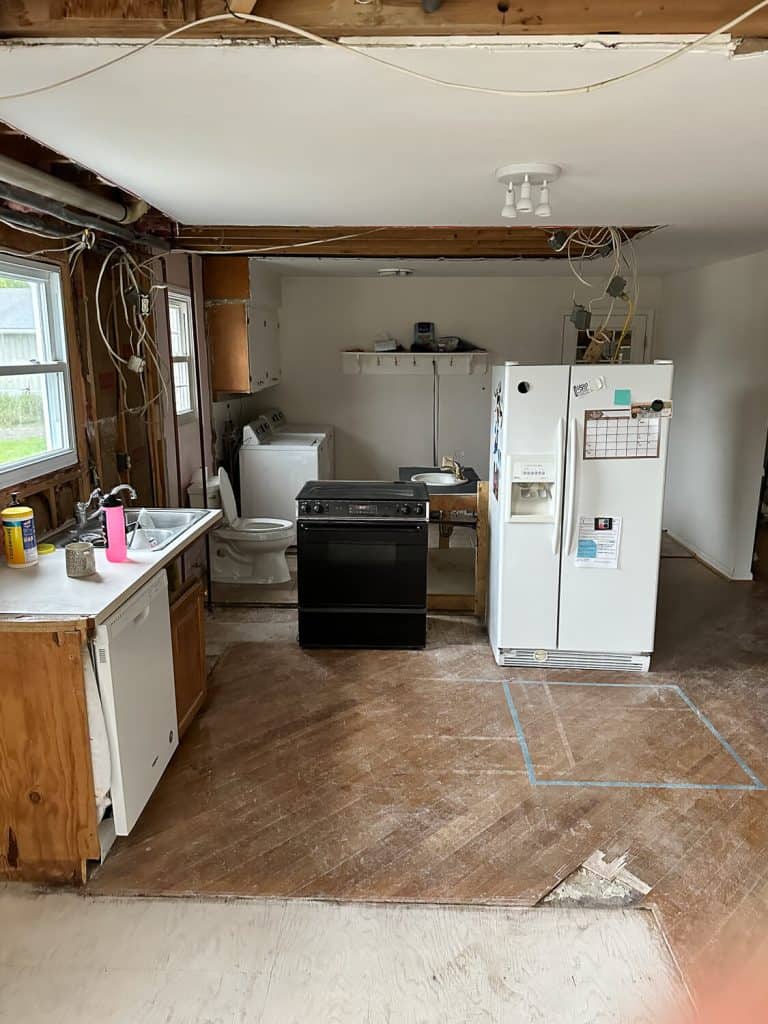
{"type": "Point", "coordinates": [280, 425]}
{"type": "Point", "coordinates": [274, 468]}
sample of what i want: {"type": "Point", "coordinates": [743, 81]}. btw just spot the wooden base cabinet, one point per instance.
{"type": "Point", "coordinates": [48, 822]}
{"type": "Point", "coordinates": [188, 639]}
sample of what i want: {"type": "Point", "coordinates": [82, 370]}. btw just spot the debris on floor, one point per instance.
{"type": "Point", "coordinates": [599, 883]}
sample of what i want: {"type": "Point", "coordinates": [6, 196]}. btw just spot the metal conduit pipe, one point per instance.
{"type": "Point", "coordinates": [22, 176]}
{"type": "Point", "coordinates": [22, 197]}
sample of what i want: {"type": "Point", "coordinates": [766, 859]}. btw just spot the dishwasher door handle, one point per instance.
{"type": "Point", "coordinates": [141, 617]}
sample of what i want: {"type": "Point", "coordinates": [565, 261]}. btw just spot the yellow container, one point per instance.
{"type": "Point", "coordinates": [19, 537]}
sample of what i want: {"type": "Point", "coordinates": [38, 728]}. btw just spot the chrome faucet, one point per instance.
{"type": "Point", "coordinates": [453, 466]}
{"type": "Point", "coordinates": [82, 507]}
{"type": "Point", "coordinates": [124, 487]}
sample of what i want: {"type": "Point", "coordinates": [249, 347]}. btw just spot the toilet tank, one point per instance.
{"type": "Point", "coordinates": [195, 492]}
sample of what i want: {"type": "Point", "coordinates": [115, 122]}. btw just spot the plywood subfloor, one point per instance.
{"type": "Point", "coordinates": [400, 775]}
{"type": "Point", "coordinates": [73, 960]}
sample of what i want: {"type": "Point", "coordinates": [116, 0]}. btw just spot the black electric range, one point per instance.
{"type": "Point", "coordinates": [362, 550]}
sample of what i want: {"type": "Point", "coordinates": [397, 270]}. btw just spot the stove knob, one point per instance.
{"type": "Point", "coordinates": [418, 510]}
{"type": "Point", "coordinates": [303, 508]}
{"type": "Point", "coordinates": [317, 507]}
{"type": "Point", "coordinates": [403, 510]}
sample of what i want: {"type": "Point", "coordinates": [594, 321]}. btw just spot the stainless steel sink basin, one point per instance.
{"type": "Point", "coordinates": [438, 479]}
{"type": "Point", "coordinates": [148, 528]}
{"type": "Point", "coordinates": [156, 528]}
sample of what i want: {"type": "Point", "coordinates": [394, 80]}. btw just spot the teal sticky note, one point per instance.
{"type": "Point", "coordinates": [622, 396]}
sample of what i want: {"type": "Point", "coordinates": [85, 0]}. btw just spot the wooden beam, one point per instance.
{"type": "Point", "coordinates": [414, 242]}
{"type": "Point", "coordinates": [135, 18]}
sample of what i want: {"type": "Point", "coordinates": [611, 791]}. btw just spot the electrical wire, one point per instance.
{"type": "Point", "coordinates": [128, 287]}
{"type": "Point", "coordinates": [272, 248]}
{"type": "Point", "coordinates": [258, 19]}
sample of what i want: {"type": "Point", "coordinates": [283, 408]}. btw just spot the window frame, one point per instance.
{"type": "Point", "coordinates": [51, 277]}
{"type": "Point", "coordinates": [184, 298]}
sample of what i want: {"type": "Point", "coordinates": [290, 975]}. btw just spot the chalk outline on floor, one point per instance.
{"type": "Point", "coordinates": [756, 785]}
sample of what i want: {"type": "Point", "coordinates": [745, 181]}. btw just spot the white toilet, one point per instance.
{"type": "Point", "coordinates": [248, 550]}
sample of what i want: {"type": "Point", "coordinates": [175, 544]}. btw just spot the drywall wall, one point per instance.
{"type": "Point", "coordinates": [383, 422]}
{"type": "Point", "coordinates": [712, 323]}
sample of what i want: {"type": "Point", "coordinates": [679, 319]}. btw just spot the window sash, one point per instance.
{"type": "Point", "coordinates": [49, 313]}
{"type": "Point", "coordinates": [182, 349]}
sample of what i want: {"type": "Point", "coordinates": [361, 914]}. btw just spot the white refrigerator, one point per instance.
{"type": "Point", "coordinates": [578, 460]}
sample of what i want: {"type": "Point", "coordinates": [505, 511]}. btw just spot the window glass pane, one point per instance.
{"type": "Point", "coordinates": [181, 381]}
{"type": "Point", "coordinates": [24, 335]}
{"type": "Point", "coordinates": [179, 321]}
{"type": "Point", "coordinates": [33, 417]}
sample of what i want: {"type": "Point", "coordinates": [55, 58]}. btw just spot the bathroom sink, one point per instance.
{"type": "Point", "coordinates": [438, 479]}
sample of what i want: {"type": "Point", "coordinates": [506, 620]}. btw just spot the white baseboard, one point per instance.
{"type": "Point", "coordinates": [711, 563]}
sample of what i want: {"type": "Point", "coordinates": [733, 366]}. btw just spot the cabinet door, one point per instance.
{"type": "Point", "coordinates": [187, 637]}
{"type": "Point", "coordinates": [263, 346]}
{"type": "Point", "coordinates": [227, 331]}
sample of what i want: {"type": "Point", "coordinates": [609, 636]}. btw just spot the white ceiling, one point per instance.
{"type": "Point", "coordinates": [244, 134]}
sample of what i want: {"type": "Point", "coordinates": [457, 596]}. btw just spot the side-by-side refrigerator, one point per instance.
{"type": "Point", "coordinates": [578, 459]}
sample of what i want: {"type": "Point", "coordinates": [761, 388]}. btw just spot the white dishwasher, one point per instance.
{"type": "Point", "coordinates": [134, 662]}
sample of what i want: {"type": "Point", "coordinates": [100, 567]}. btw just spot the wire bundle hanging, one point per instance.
{"type": "Point", "coordinates": [614, 243]}
{"type": "Point", "coordinates": [131, 282]}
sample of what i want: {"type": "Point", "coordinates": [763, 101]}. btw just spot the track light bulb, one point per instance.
{"type": "Point", "coordinates": [543, 209]}
{"type": "Point", "coordinates": [509, 211]}
{"type": "Point", "coordinates": [524, 204]}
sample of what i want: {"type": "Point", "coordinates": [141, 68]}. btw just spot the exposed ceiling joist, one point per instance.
{"type": "Point", "coordinates": [141, 18]}
{"type": "Point", "coordinates": [501, 242]}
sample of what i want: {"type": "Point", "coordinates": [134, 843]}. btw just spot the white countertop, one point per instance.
{"type": "Point", "coordinates": [46, 590]}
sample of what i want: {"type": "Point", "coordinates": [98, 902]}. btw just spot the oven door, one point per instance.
{"type": "Point", "coordinates": [362, 565]}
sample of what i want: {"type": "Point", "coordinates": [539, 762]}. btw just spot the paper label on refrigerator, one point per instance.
{"type": "Point", "coordinates": [588, 386]}
{"type": "Point", "coordinates": [598, 542]}
{"type": "Point", "coordinates": [616, 434]}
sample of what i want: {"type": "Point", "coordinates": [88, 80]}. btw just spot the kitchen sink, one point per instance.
{"type": "Point", "coordinates": [147, 528]}
{"type": "Point", "coordinates": [438, 479]}
{"type": "Point", "coordinates": [156, 528]}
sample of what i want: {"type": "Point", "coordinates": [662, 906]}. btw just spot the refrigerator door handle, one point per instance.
{"type": "Point", "coordinates": [570, 487]}
{"type": "Point", "coordinates": [558, 496]}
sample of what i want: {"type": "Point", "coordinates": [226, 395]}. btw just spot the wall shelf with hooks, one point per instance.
{"type": "Point", "coordinates": [448, 363]}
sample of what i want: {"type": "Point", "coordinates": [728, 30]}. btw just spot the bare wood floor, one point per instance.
{"type": "Point", "coordinates": [402, 775]}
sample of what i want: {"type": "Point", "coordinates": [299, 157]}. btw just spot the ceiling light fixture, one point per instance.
{"type": "Point", "coordinates": [527, 176]}
{"type": "Point", "coordinates": [510, 205]}
{"type": "Point", "coordinates": [524, 203]}
{"type": "Point", "coordinates": [543, 209]}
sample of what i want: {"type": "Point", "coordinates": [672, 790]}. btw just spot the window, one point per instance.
{"type": "Point", "coordinates": [182, 353]}
{"type": "Point", "coordinates": [36, 425]}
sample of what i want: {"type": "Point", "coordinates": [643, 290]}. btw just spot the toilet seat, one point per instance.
{"type": "Point", "coordinates": [258, 531]}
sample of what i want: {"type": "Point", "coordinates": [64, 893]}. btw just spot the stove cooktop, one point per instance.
{"type": "Point", "coordinates": [362, 499]}
{"type": "Point", "coordinates": [354, 490]}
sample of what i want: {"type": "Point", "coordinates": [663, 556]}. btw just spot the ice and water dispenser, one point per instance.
{"type": "Point", "coordinates": [532, 488]}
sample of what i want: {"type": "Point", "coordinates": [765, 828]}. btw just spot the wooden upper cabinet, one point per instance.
{"type": "Point", "coordinates": [227, 332]}
{"type": "Point", "coordinates": [242, 298]}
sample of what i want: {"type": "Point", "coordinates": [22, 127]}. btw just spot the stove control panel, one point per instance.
{"type": "Point", "coordinates": [362, 509]}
